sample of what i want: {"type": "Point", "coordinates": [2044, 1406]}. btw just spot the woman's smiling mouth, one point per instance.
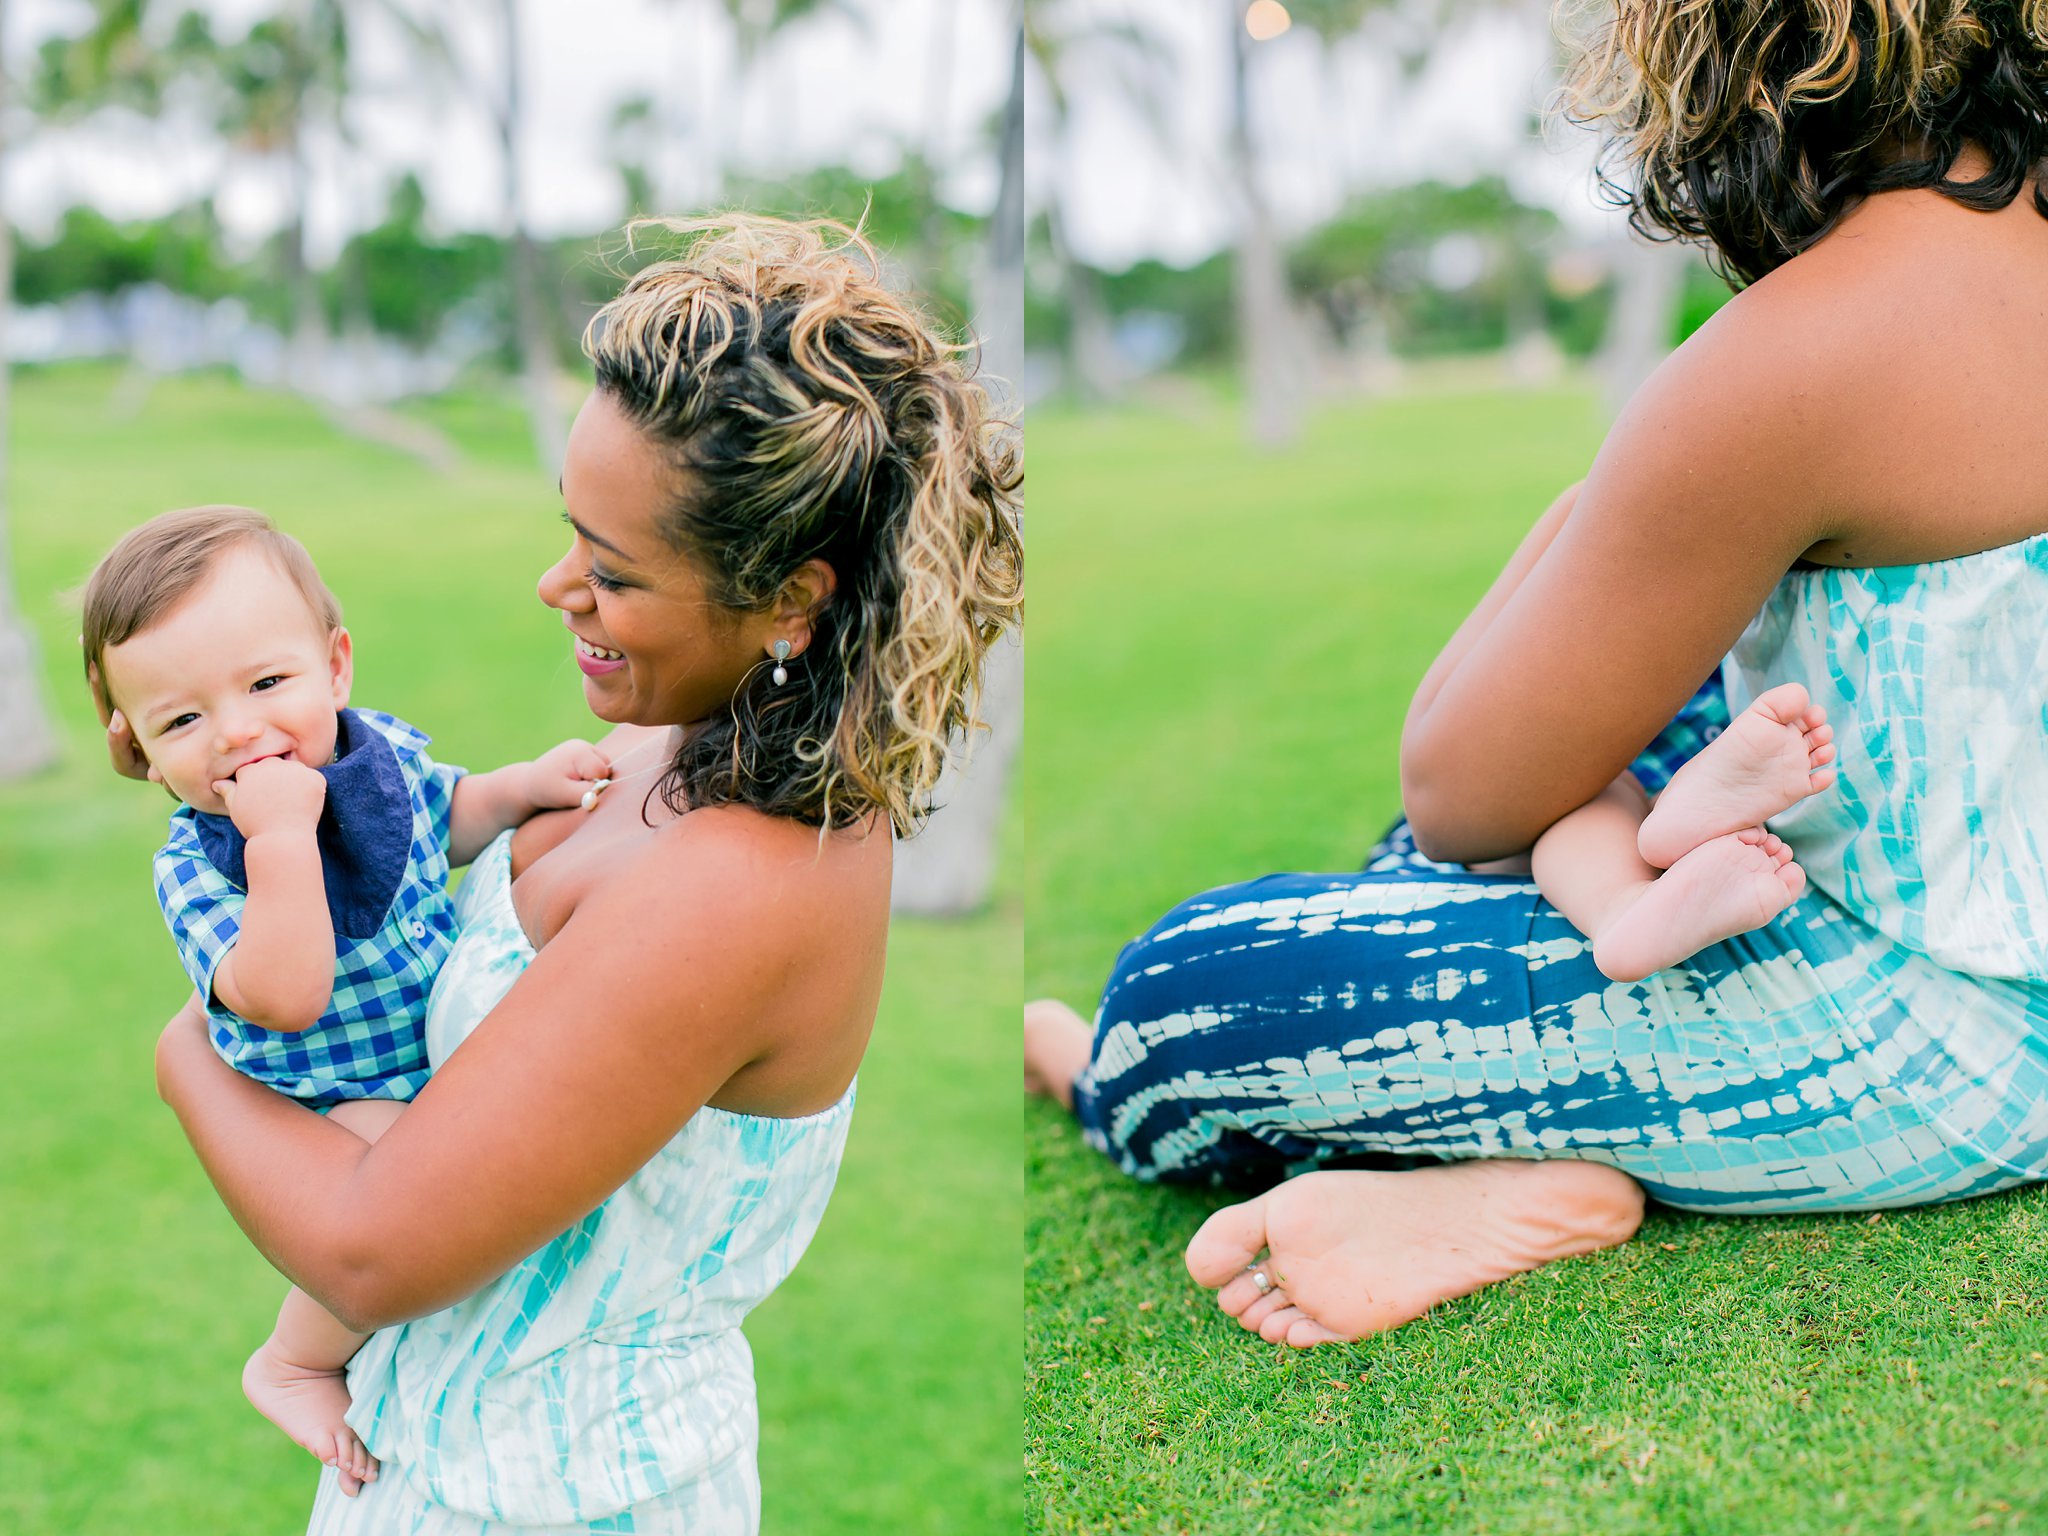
{"type": "Point", "coordinates": [595, 660]}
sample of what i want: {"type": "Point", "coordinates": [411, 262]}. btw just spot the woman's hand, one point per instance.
{"type": "Point", "coordinates": [122, 750]}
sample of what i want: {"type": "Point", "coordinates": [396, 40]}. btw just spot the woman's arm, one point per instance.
{"type": "Point", "coordinates": [679, 971]}
{"type": "Point", "coordinates": [1711, 485]}
{"type": "Point", "coordinates": [1524, 559]}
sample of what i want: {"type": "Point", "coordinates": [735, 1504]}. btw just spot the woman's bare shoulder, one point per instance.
{"type": "Point", "coordinates": [1880, 385]}
{"type": "Point", "coordinates": [778, 932]}
{"type": "Point", "coordinates": [748, 873]}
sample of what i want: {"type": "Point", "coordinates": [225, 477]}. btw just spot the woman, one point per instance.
{"type": "Point", "coordinates": [1835, 482]}
{"type": "Point", "coordinates": [793, 539]}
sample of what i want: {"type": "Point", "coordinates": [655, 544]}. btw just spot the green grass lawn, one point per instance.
{"type": "Point", "coordinates": [888, 1377]}
{"type": "Point", "coordinates": [1223, 644]}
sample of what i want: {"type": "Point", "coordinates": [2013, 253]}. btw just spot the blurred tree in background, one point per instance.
{"type": "Point", "coordinates": [1480, 267]}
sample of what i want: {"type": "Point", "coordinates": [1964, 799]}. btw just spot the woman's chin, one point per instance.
{"type": "Point", "coordinates": [609, 704]}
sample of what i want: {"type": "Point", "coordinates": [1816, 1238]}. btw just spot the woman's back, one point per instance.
{"type": "Point", "coordinates": [1917, 334]}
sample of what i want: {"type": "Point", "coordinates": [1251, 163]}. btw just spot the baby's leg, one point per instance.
{"type": "Point", "coordinates": [1640, 919]}
{"type": "Point", "coordinates": [295, 1378]}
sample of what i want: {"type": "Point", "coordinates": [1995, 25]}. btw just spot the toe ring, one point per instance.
{"type": "Point", "coordinates": [1259, 1279]}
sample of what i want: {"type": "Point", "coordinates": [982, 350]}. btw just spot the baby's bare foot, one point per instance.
{"type": "Point", "coordinates": [1056, 1042]}
{"type": "Point", "coordinates": [1730, 885]}
{"type": "Point", "coordinates": [308, 1406]}
{"type": "Point", "coordinates": [1350, 1254]}
{"type": "Point", "coordinates": [1773, 755]}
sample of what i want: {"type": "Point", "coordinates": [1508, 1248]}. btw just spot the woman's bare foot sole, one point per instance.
{"type": "Point", "coordinates": [1731, 885]}
{"type": "Point", "coordinates": [1350, 1254]}
{"type": "Point", "coordinates": [1773, 755]}
{"type": "Point", "coordinates": [307, 1405]}
{"type": "Point", "coordinates": [1056, 1044]}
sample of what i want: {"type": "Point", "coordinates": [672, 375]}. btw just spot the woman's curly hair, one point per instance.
{"type": "Point", "coordinates": [1754, 125]}
{"type": "Point", "coordinates": [816, 416]}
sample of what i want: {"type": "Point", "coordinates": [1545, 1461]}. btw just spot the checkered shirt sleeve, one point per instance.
{"type": "Point", "coordinates": [437, 783]}
{"type": "Point", "coordinates": [201, 906]}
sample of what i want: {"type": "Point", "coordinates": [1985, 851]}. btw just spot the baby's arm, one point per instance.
{"type": "Point", "coordinates": [279, 974]}
{"type": "Point", "coordinates": [485, 804]}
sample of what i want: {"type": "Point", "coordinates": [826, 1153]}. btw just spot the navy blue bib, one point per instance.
{"type": "Point", "coordinates": [365, 831]}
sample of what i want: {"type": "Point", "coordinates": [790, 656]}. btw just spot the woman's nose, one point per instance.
{"type": "Point", "coordinates": [560, 587]}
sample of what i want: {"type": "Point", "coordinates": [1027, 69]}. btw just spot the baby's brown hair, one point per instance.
{"type": "Point", "coordinates": [153, 567]}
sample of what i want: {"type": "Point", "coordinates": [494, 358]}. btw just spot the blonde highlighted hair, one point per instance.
{"type": "Point", "coordinates": [1754, 125]}
{"type": "Point", "coordinates": [151, 568]}
{"type": "Point", "coordinates": [814, 414]}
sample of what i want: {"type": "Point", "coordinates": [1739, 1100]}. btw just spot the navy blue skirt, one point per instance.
{"type": "Point", "coordinates": [1417, 1011]}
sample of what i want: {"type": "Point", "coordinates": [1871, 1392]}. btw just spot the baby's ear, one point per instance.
{"type": "Point", "coordinates": [341, 665]}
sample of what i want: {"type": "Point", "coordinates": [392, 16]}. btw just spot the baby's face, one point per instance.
{"type": "Point", "coordinates": [239, 671]}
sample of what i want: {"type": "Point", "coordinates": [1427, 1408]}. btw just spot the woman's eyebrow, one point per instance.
{"type": "Point", "coordinates": [594, 539]}
{"type": "Point", "coordinates": [585, 532]}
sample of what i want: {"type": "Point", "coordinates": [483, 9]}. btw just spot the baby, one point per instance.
{"type": "Point", "coordinates": [1652, 883]}
{"type": "Point", "coordinates": [305, 876]}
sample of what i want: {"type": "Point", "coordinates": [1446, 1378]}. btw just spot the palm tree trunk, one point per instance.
{"type": "Point", "coordinates": [948, 868]}
{"type": "Point", "coordinates": [1092, 367]}
{"type": "Point", "coordinates": [1649, 281]}
{"type": "Point", "coordinates": [532, 335]}
{"type": "Point", "coordinates": [1267, 346]}
{"type": "Point", "coordinates": [309, 321]}
{"type": "Point", "coordinates": [1001, 302]}
{"type": "Point", "coordinates": [28, 743]}
{"type": "Point", "coordinates": [938, 80]}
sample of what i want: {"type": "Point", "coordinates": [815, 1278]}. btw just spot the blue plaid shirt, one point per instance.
{"type": "Point", "coordinates": [371, 1041]}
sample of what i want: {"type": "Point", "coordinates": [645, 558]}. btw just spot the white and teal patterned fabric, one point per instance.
{"type": "Point", "coordinates": [1935, 678]}
{"type": "Point", "coordinates": [602, 1383]}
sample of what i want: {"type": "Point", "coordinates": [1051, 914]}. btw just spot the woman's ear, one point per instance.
{"type": "Point", "coordinates": [341, 665]}
{"type": "Point", "coordinates": [802, 598]}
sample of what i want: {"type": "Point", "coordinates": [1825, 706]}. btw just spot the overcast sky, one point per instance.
{"type": "Point", "coordinates": [1325, 126]}
{"type": "Point", "coordinates": [843, 88]}
{"type": "Point", "coordinates": [852, 89]}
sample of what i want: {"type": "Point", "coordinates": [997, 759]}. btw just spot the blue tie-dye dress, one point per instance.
{"type": "Point", "coordinates": [602, 1384]}
{"type": "Point", "coordinates": [1883, 1042]}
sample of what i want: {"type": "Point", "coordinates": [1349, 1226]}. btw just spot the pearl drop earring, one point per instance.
{"type": "Point", "coordinates": [781, 673]}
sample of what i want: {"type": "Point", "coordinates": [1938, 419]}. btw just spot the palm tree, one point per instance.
{"type": "Point", "coordinates": [500, 89]}
{"type": "Point", "coordinates": [287, 75]}
{"type": "Point", "coordinates": [532, 331]}
{"type": "Point", "coordinates": [1268, 339]}
{"type": "Point", "coordinates": [1056, 42]}
{"type": "Point", "coordinates": [947, 868]}
{"type": "Point", "coordinates": [28, 743]}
